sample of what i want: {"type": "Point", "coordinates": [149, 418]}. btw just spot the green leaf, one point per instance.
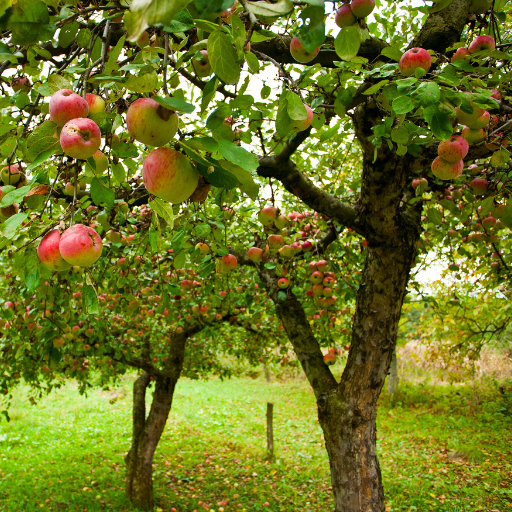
{"type": "Point", "coordinates": [402, 105]}
{"type": "Point", "coordinates": [83, 38]}
{"type": "Point", "coordinates": [280, 8]}
{"type": "Point", "coordinates": [41, 159]}
{"type": "Point", "coordinates": [125, 150]}
{"type": "Point", "coordinates": [245, 179]}
{"type": "Point", "coordinates": [237, 155]}
{"type": "Point", "coordinates": [439, 5]}
{"type": "Point", "coordinates": [181, 22]}
{"type": "Point", "coordinates": [203, 230]}
{"type": "Point", "coordinates": [428, 93]}
{"type": "Point", "coordinates": [312, 34]}
{"type": "Point", "coordinates": [155, 234]}
{"type": "Point", "coordinates": [102, 193]}
{"type": "Point", "coordinates": [223, 58]}
{"type": "Point", "coordinates": [147, 82]}
{"type": "Point", "coordinates": [11, 225]}
{"type": "Point", "coordinates": [15, 196]}
{"type": "Point", "coordinates": [30, 23]}
{"type": "Point", "coordinates": [400, 135]}
{"type": "Point", "coordinates": [209, 93]}
{"type": "Point", "coordinates": [434, 216]}
{"type": "Point", "coordinates": [145, 13]}
{"type": "Point", "coordinates": [499, 158]}
{"type": "Point", "coordinates": [68, 33]}
{"type": "Point", "coordinates": [113, 55]}
{"type": "Point", "coordinates": [392, 52]}
{"type": "Point", "coordinates": [175, 104]}
{"type": "Point", "coordinates": [347, 43]}
{"type": "Point", "coordinates": [56, 83]}
{"type": "Point", "coordinates": [238, 31]}
{"type": "Point", "coordinates": [90, 299]}
{"type": "Point", "coordinates": [252, 63]}
{"type": "Point", "coordinates": [439, 122]}
{"type": "Point", "coordinates": [283, 120]}
{"type": "Point", "coordinates": [207, 8]}
{"type": "Point", "coordinates": [376, 87]}
{"type": "Point", "coordinates": [32, 272]}
{"type": "Point", "coordinates": [119, 172]}
{"type": "Point", "coordinates": [265, 92]}
{"type": "Point", "coordinates": [295, 107]}
{"type": "Point", "coordinates": [163, 209]}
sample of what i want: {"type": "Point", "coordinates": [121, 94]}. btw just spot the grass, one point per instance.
{"type": "Point", "coordinates": [442, 448]}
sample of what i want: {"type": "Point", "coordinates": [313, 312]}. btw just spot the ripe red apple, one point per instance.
{"type": "Point", "coordinates": [489, 222]}
{"type": "Point", "coordinates": [20, 83]}
{"type": "Point", "coordinates": [202, 67]}
{"type": "Point", "coordinates": [329, 359]}
{"type": "Point", "coordinates": [49, 253]}
{"type": "Point", "coordinates": [496, 94]}
{"type": "Point", "coordinates": [96, 103]}
{"type": "Point", "coordinates": [482, 43]}
{"type": "Point", "coordinates": [66, 105]}
{"type": "Point", "coordinates": [255, 254]}
{"type": "Point", "coordinates": [227, 263]}
{"type": "Point", "coordinates": [344, 16]}
{"type": "Point", "coordinates": [169, 175]}
{"type": "Point", "coordinates": [307, 246]}
{"type": "Point", "coordinates": [267, 215]}
{"type": "Point", "coordinates": [316, 277]}
{"type": "Point", "coordinates": [362, 8]}
{"type": "Point", "coordinates": [151, 123]}
{"type": "Point", "coordinates": [300, 54]}
{"type": "Point", "coordinates": [80, 245]}
{"type": "Point", "coordinates": [303, 124]}
{"type": "Point", "coordinates": [422, 183]}
{"type": "Point", "coordinates": [460, 54]}
{"type": "Point", "coordinates": [453, 149]}
{"type": "Point", "coordinates": [473, 136]}
{"type": "Point", "coordinates": [11, 174]}
{"type": "Point", "coordinates": [413, 59]}
{"type": "Point", "coordinates": [283, 283]}
{"type": "Point", "coordinates": [80, 138]}
{"type": "Point", "coordinates": [479, 186]}
{"type": "Point", "coordinates": [445, 170]}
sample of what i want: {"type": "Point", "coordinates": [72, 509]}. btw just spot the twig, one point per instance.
{"type": "Point", "coordinates": [75, 185]}
{"type": "Point", "coordinates": [166, 61]}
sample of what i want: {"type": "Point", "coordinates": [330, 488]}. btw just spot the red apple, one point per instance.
{"type": "Point", "coordinates": [169, 175]}
{"type": "Point", "coordinates": [329, 359]}
{"type": "Point", "coordinates": [275, 242]}
{"type": "Point", "coordinates": [445, 170]}
{"type": "Point", "coordinates": [482, 43]}
{"type": "Point", "coordinates": [255, 254]}
{"type": "Point", "coordinates": [479, 186]}
{"type": "Point", "coordinates": [66, 105]}
{"type": "Point", "coordinates": [151, 123]}
{"type": "Point", "coordinates": [453, 149]}
{"type": "Point", "coordinates": [344, 16]}
{"type": "Point", "coordinates": [80, 245]}
{"type": "Point", "coordinates": [20, 83]}
{"type": "Point", "coordinates": [303, 124]}
{"type": "Point", "coordinates": [49, 253]}
{"type": "Point", "coordinates": [11, 174]}
{"type": "Point", "coordinates": [227, 263]}
{"type": "Point", "coordinates": [413, 59]}
{"type": "Point", "coordinates": [95, 102]}
{"type": "Point", "coordinates": [80, 138]}
{"type": "Point", "coordinates": [300, 54]}
{"type": "Point", "coordinates": [362, 8]}
{"type": "Point", "coordinates": [283, 283]}
{"type": "Point", "coordinates": [460, 54]}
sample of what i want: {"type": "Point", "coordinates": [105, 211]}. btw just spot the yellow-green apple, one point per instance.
{"type": "Point", "coordinates": [80, 245]}
{"type": "Point", "coordinates": [96, 103]}
{"type": "Point", "coordinates": [275, 242]}
{"type": "Point", "coordinates": [362, 8]}
{"type": "Point", "coordinates": [114, 236]}
{"type": "Point", "coordinates": [227, 263]}
{"type": "Point", "coordinates": [169, 175]}
{"type": "Point", "coordinates": [49, 253]}
{"type": "Point", "coordinates": [151, 123]}
{"type": "Point", "coordinates": [80, 138]}
{"type": "Point", "coordinates": [20, 83]}
{"type": "Point", "coordinates": [445, 170]}
{"type": "Point", "coordinates": [480, 6]}
{"type": "Point", "coordinates": [318, 290]}
{"type": "Point", "coordinates": [471, 118]}
{"type": "Point", "coordinates": [203, 248]}
{"type": "Point", "coordinates": [11, 174]}
{"type": "Point", "coordinates": [479, 186]}
{"type": "Point", "coordinates": [482, 43]}
{"type": "Point", "coordinates": [287, 251]}
{"type": "Point", "coordinates": [255, 254]}
{"type": "Point", "coordinates": [413, 59]}
{"type": "Point", "coordinates": [281, 222]}
{"type": "Point", "coordinates": [300, 54]}
{"type": "Point", "coordinates": [101, 161]}
{"type": "Point", "coordinates": [303, 124]}
{"type": "Point", "coordinates": [460, 54]}
{"type": "Point", "coordinates": [473, 136]}
{"type": "Point", "coordinates": [66, 105]}
{"type": "Point", "coordinates": [344, 16]}
{"type": "Point", "coordinates": [283, 283]}
{"type": "Point", "coordinates": [328, 291]}
{"type": "Point", "coordinates": [267, 215]}
{"type": "Point", "coordinates": [453, 149]}
{"type": "Point", "coordinates": [202, 67]}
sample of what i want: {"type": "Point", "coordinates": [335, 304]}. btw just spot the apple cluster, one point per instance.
{"type": "Point", "coordinates": [78, 245]}
{"type": "Point", "coordinates": [348, 13]}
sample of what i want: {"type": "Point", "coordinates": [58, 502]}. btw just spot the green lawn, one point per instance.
{"type": "Point", "coordinates": [441, 448]}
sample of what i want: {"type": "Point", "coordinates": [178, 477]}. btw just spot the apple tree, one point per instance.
{"type": "Point", "coordinates": [260, 113]}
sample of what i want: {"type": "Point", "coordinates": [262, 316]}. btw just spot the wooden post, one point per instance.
{"type": "Point", "coordinates": [270, 431]}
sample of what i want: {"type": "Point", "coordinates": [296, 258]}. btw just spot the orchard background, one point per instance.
{"type": "Point", "coordinates": [193, 187]}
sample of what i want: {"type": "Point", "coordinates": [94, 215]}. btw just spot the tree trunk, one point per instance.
{"type": "Point", "coordinates": [393, 378]}
{"type": "Point", "coordinates": [146, 434]}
